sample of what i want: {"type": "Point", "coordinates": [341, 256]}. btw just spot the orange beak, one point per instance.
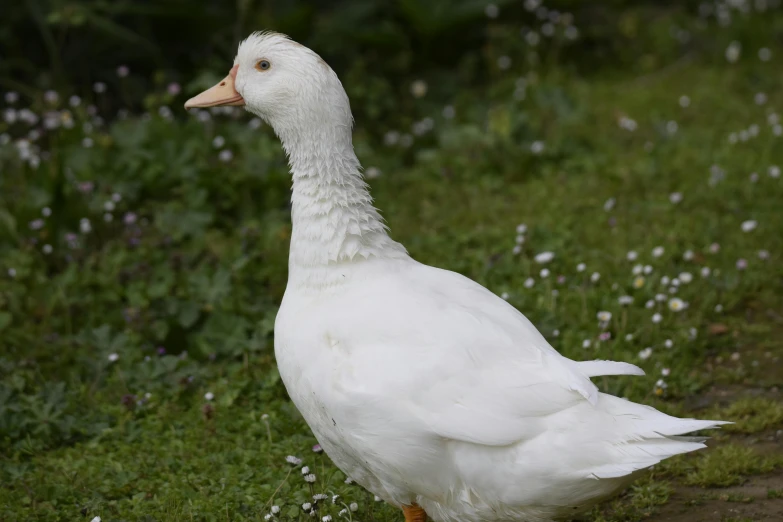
{"type": "Point", "coordinates": [224, 93]}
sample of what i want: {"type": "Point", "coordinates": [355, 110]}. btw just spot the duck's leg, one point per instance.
{"type": "Point", "coordinates": [414, 513]}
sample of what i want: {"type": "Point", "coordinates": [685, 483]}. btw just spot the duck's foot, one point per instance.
{"type": "Point", "coordinates": [414, 513]}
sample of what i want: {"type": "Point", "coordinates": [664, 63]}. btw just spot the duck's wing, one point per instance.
{"type": "Point", "coordinates": [478, 371]}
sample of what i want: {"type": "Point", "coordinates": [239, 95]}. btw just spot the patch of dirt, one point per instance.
{"type": "Point", "coordinates": [749, 501]}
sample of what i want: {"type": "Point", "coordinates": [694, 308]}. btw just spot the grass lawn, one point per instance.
{"type": "Point", "coordinates": [138, 376]}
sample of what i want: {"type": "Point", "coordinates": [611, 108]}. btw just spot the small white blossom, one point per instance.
{"type": "Point", "coordinates": [657, 251]}
{"type": "Point", "coordinates": [763, 254]}
{"type": "Point", "coordinates": [665, 280]}
{"type": "Point", "coordinates": [225, 155]}
{"type": "Point", "coordinates": [760, 98]}
{"type": "Point", "coordinates": [649, 304]}
{"type": "Point", "coordinates": [656, 318]}
{"type": "Point", "coordinates": [594, 277]}
{"type": "Point", "coordinates": [631, 255]}
{"type": "Point", "coordinates": [604, 316]}
{"type": "Point", "coordinates": [705, 271]}
{"type": "Point", "coordinates": [648, 269]}
{"type": "Point", "coordinates": [544, 273]}
{"type": "Point", "coordinates": [665, 372]}
{"type": "Point", "coordinates": [275, 510]}
{"type": "Point", "coordinates": [586, 343]}
{"type": "Point", "coordinates": [310, 478]}
{"type": "Point", "coordinates": [218, 142]}
{"type": "Point", "coordinates": [684, 101]}
{"type": "Point", "coordinates": [96, 519]}
{"type": "Point", "coordinates": [733, 51]}
{"type": "Point", "coordinates": [625, 300]}
{"type": "Point", "coordinates": [660, 297]}
{"type": "Point", "coordinates": [307, 506]}
{"type": "Point", "coordinates": [774, 171]}
{"type": "Point", "coordinates": [685, 277]}
{"type": "Point", "coordinates": [637, 269]}
{"type": "Point", "coordinates": [687, 255]}
{"type": "Point", "coordinates": [609, 204]}
{"type": "Point", "coordinates": [581, 267]}
{"type": "Point", "coordinates": [544, 257]}
{"type": "Point", "coordinates": [504, 296]}
{"type": "Point", "coordinates": [354, 506]}
{"type": "Point", "coordinates": [209, 396]}
{"type": "Point", "coordinates": [675, 197]}
{"type": "Point", "coordinates": [537, 147]}
{"type": "Point", "coordinates": [668, 343]}
{"type": "Point", "coordinates": [268, 516]}
{"type": "Point", "coordinates": [749, 225]}
{"type": "Point", "coordinates": [645, 354]}
{"type": "Point", "coordinates": [293, 460]}
{"type": "Point", "coordinates": [529, 282]}
{"type": "Point", "coordinates": [113, 357]}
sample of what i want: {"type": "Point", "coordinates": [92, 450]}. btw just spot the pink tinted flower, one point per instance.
{"type": "Point", "coordinates": [604, 336]}
{"type": "Point", "coordinates": [317, 448]}
{"type": "Point", "coordinates": [742, 264]}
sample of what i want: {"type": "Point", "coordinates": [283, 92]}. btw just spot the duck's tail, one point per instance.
{"type": "Point", "coordinates": [644, 436]}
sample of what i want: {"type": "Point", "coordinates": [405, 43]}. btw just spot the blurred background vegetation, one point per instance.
{"type": "Point", "coordinates": [143, 249]}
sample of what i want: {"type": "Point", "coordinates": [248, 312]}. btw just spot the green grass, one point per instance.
{"type": "Point", "coordinates": [201, 270]}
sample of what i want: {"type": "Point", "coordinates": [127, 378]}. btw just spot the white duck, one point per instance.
{"type": "Point", "coordinates": [423, 386]}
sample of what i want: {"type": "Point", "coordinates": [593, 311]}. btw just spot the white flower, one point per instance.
{"type": "Point", "coordinates": [504, 296]}
{"type": "Point", "coordinates": [544, 273]}
{"type": "Point", "coordinates": [705, 271]}
{"type": "Point", "coordinates": [342, 512]}
{"type": "Point", "coordinates": [668, 343]}
{"type": "Point", "coordinates": [649, 304]}
{"type": "Point", "coordinates": [209, 396]}
{"type": "Point", "coordinates": [604, 316]}
{"type": "Point", "coordinates": [625, 300]}
{"type": "Point", "coordinates": [675, 282]}
{"type": "Point", "coordinates": [749, 225]}
{"type": "Point", "coordinates": [586, 343]}
{"type": "Point", "coordinates": [763, 254]}
{"type": "Point", "coordinates": [631, 255]}
{"type": "Point", "coordinates": [306, 506]}
{"type": "Point", "coordinates": [656, 318]}
{"type": "Point", "coordinates": [657, 251]}
{"type": "Point", "coordinates": [544, 257]}
{"type": "Point", "coordinates": [520, 239]}
{"type": "Point", "coordinates": [521, 228]}
{"type": "Point", "coordinates": [733, 51]}
{"type": "Point", "coordinates": [537, 147]}
{"type": "Point", "coordinates": [377, 498]}
{"type": "Point", "coordinates": [85, 226]}
{"type": "Point", "coordinates": [687, 255]}
{"type": "Point", "coordinates": [225, 155]}
{"type": "Point", "coordinates": [354, 506]}
{"type": "Point", "coordinates": [595, 277]}
{"type": "Point", "coordinates": [449, 112]}
{"type": "Point", "coordinates": [760, 98]}
{"type": "Point", "coordinates": [629, 337]}
{"type": "Point", "coordinates": [665, 280]}
{"type": "Point", "coordinates": [637, 269]}
{"type": "Point", "coordinates": [660, 384]}
{"type": "Point", "coordinates": [373, 173]}
{"type": "Point", "coordinates": [218, 142]}
{"type": "Point", "coordinates": [275, 510]}
{"type": "Point", "coordinates": [529, 282]}
{"type": "Point", "coordinates": [692, 333]}
{"type": "Point", "coordinates": [268, 516]}
{"type": "Point", "coordinates": [660, 297]}
{"type": "Point", "coordinates": [46, 249]}
{"type": "Point", "coordinates": [581, 267]}
{"type": "Point", "coordinates": [765, 54]}
{"type": "Point", "coordinates": [719, 308]}
{"type": "Point", "coordinates": [645, 354]}
{"type": "Point", "coordinates": [684, 101]}
{"type": "Point", "coordinates": [113, 357]}
{"type": "Point", "coordinates": [516, 250]}
{"type": "Point", "coordinates": [293, 460]}
{"type": "Point", "coordinates": [774, 171]}
{"type": "Point", "coordinates": [419, 88]}
{"type": "Point", "coordinates": [108, 206]}
{"type": "Point", "coordinates": [675, 197]}
{"type": "Point", "coordinates": [310, 478]}
{"type": "Point", "coordinates": [685, 277]}
{"type": "Point", "coordinates": [96, 519]}
{"type": "Point", "coordinates": [609, 204]}
{"type": "Point", "coordinates": [665, 372]}
{"type": "Point", "coordinates": [671, 126]}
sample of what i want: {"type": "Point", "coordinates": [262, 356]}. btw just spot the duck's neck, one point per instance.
{"type": "Point", "coordinates": [334, 221]}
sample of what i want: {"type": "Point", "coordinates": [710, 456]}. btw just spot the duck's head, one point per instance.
{"type": "Point", "coordinates": [283, 82]}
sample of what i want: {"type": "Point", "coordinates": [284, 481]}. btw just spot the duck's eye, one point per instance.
{"type": "Point", "coordinates": [263, 65]}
